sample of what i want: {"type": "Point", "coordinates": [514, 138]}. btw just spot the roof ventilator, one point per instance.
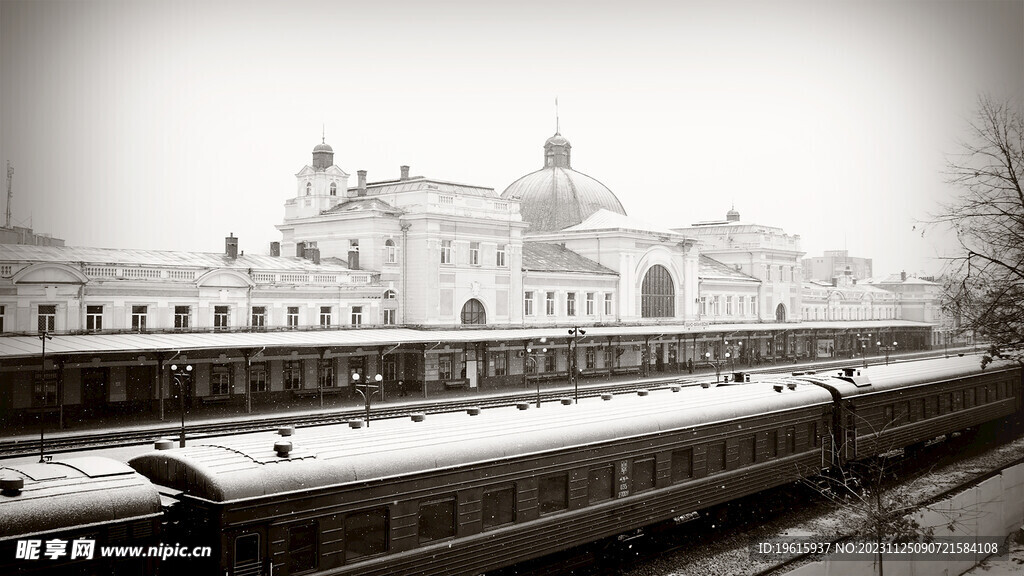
{"type": "Point", "coordinates": [283, 448]}
{"type": "Point", "coordinates": [11, 486]}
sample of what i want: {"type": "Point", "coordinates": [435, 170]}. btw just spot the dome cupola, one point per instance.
{"type": "Point", "coordinates": [323, 156]}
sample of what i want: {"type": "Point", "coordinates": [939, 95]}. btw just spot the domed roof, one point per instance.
{"type": "Point", "coordinates": [322, 147]}
{"type": "Point", "coordinates": [556, 196]}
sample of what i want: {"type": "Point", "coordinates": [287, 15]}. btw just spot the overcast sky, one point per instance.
{"type": "Point", "coordinates": [167, 125]}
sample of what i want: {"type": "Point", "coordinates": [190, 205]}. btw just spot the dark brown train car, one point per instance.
{"type": "Point", "coordinates": [51, 511]}
{"type": "Point", "coordinates": [885, 408]}
{"type": "Point", "coordinates": [461, 494]}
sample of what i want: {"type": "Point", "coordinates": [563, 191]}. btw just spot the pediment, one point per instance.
{"type": "Point", "coordinates": [306, 171]}
{"type": "Point", "coordinates": [225, 278]}
{"type": "Point", "coordinates": [50, 273]}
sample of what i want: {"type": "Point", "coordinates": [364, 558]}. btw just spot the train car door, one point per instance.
{"type": "Point", "coordinates": [247, 553]}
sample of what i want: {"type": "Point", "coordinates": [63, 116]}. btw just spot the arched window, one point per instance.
{"type": "Point", "coordinates": [390, 295]}
{"type": "Point", "coordinates": [657, 294]}
{"type": "Point", "coordinates": [334, 189]}
{"type": "Point", "coordinates": [473, 312]}
{"type": "Point", "coordinates": [309, 188]}
{"type": "Point", "coordinates": [780, 313]}
{"type": "Point", "coordinates": [390, 252]}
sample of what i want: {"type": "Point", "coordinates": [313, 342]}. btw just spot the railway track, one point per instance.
{"type": "Point", "coordinates": [64, 443]}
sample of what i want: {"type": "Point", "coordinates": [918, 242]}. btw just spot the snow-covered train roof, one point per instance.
{"type": "Point", "coordinates": [879, 378]}
{"type": "Point", "coordinates": [73, 492]}
{"type": "Point", "coordinates": [247, 466]}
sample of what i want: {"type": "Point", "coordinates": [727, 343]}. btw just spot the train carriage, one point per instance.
{"type": "Point", "coordinates": [460, 494]}
{"type": "Point", "coordinates": [57, 517]}
{"type": "Point", "coordinates": [884, 409]}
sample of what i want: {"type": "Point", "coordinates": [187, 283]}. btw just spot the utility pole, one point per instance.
{"type": "Point", "coordinates": [10, 193]}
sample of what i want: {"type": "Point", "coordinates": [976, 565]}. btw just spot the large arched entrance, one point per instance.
{"type": "Point", "coordinates": [657, 294]}
{"type": "Point", "coordinates": [780, 313]}
{"type": "Point", "coordinates": [473, 312]}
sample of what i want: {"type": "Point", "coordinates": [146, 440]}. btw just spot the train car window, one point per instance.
{"type": "Point", "coordinates": [958, 400]}
{"type": "Point", "coordinates": [437, 520]}
{"type": "Point", "coordinates": [553, 493]}
{"type": "Point", "coordinates": [748, 450]}
{"type": "Point", "coordinates": [247, 553]}
{"type": "Point", "coordinates": [903, 413]}
{"type": "Point", "coordinates": [887, 417]}
{"type": "Point", "coordinates": [773, 443]}
{"type": "Point", "coordinates": [999, 391]}
{"type": "Point", "coordinates": [932, 407]}
{"type": "Point", "coordinates": [601, 486]}
{"type": "Point", "coordinates": [949, 402]}
{"type": "Point", "coordinates": [643, 474]}
{"type": "Point", "coordinates": [366, 533]}
{"type": "Point", "coordinates": [716, 457]}
{"type": "Point", "coordinates": [790, 440]}
{"type": "Point", "coordinates": [812, 435]}
{"type": "Point", "coordinates": [499, 507]}
{"type": "Point", "coordinates": [982, 394]}
{"type": "Point", "coordinates": [682, 465]}
{"type": "Point", "coordinates": [302, 556]}
{"type": "Point", "coordinates": [917, 409]}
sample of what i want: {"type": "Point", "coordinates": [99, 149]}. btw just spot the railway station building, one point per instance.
{"type": "Point", "coordinates": [429, 284]}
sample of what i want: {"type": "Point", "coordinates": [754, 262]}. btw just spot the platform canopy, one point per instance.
{"type": "Point", "coordinates": [30, 346]}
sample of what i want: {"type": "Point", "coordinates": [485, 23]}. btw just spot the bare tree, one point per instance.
{"type": "Point", "coordinates": [985, 282]}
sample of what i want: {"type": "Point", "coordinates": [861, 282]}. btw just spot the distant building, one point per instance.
{"type": "Point", "coordinates": [833, 264]}
{"type": "Point", "coordinates": [22, 235]}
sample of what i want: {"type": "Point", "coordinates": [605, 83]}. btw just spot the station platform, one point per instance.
{"type": "Point", "coordinates": [335, 402]}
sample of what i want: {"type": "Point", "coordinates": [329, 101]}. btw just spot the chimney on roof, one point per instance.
{"type": "Point", "coordinates": [361, 189]}
{"type": "Point", "coordinates": [231, 246]}
{"type": "Point", "coordinates": [313, 254]}
{"type": "Point", "coordinates": [405, 173]}
{"type": "Point", "coordinates": [300, 249]}
{"type": "Point", "coordinates": [835, 281]}
{"type": "Point", "coordinates": [903, 276]}
{"type": "Point", "coordinates": [275, 248]}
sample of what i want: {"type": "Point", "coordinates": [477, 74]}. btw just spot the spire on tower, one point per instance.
{"type": "Point", "coordinates": [557, 129]}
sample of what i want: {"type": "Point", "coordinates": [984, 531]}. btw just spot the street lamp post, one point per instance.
{"type": "Point", "coordinates": [533, 358]}
{"type": "Point", "coordinates": [180, 373]}
{"type": "Point", "coordinates": [717, 364]}
{"type": "Point", "coordinates": [575, 333]}
{"type": "Point", "coordinates": [42, 409]}
{"type": "Point", "coordinates": [864, 341]}
{"type": "Point", "coordinates": [887, 350]}
{"type": "Point", "coordinates": [366, 391]}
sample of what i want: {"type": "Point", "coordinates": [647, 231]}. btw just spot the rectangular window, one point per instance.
{"type": "Point", "coordinates": [357, 315]}
{"type": "Point", "coordinates": [390, 314]}
{"type": "Point", "coordinates": [528, 303]}
{"type": "Point", "coordinates": [643, 475]}
{"type": "Point", "coordinates": [94, 317]}
{"type": "Point", "coordinates": [812, 435]}
{"type": "Point", "coordinates": [570, 304]}
{"type": "Point", "coordinates": [716, 457]}
{"type": "Point", "coordinates": [220, 381]}
{"type": "Point", "coordinates": [2, 318]}
{"type": "Point", "coordinates": [444, 367]}
{"type": "Point", "coordinates": [247, 554]}
{"type": "Point", "coordinates": [773, 443]}
{"type": "Point", "coordinates": [499, 363]}
{"type": "Point", "coordinates": [741, 306]}
{"type": "Point", "coordinates": [220, 317]}
{"type": "Point", "coordinates": [292, 374]}
{"type": "Point", "coordinates": [474, 253]}
{"type": "Point", "coordinates": [682, 464]}
{"type": "Point", "coordinates": [609, 357]}
{"type": "Point", "coordinates": [44, 388]}
{"type": "Point", "coordinates": [366, 534]}
{"type": "Point", "coordinates": [139, 315]}
{"type": "Point", "coordinates": [258, 377]}
{"type": "Point", "coordinates": [728, 305]}
{"type": "Point", "coordinates": [553, 493]}
{"type": "Point", "coordinates": [499, 256]}
{"type": "Point", "coordinates": [182, 317]}
{"type": "Point", "coordinates": [390, 253]}
{"type": "Point", "coordinates": [446, 251]}
{"type": "Point", "coordinates": [292, 317]}
{"type": "Point", "coordinates": [259, 316]}
{"type": "Point", "coordinates": [791, 440]}
{"type": "Point", "coordinates": [748, 450]}
{"type": "Point", "coordinates": [47, 317]}
{"type": "Point", "coordinates": [437, 520]}
{"type": "Point", "coordinates": [326, 373]}
{"type": "Point", "coordinates": [590, 354]}
{"type": "Point", "coordinates": [302, 555]}
{"type": "Point", "coordinates": [607, 304]}
{"type": "Point", "coordinates": [715, 306]}
{"type": "Point", "coordinates": [602, 484]}
{"type": "Point", "coordinates": [703, 304]}
{"type": "Point", "coordinates": [549, 361]}
{"type": "Point", "coordinates": [590, 303]}
{"type": "Point", "coordinates": [753, 305]}
{"type": "Point", "coordinates": [549, 304]}
{"type": "Point", "coordinates": [499, 507]}
{"type": "Point", "coordinates": [325, 316]}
